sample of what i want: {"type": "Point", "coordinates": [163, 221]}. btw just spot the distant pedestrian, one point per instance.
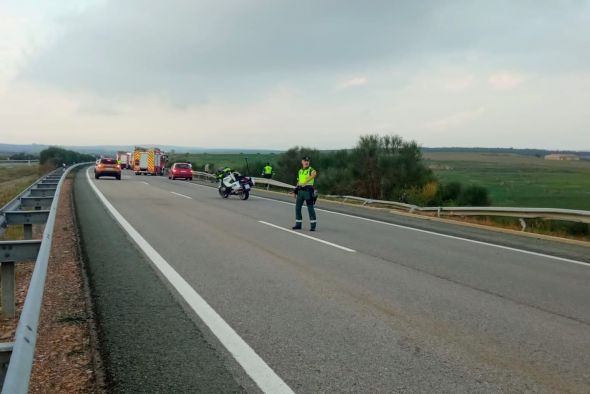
{"type": "Point", "coordinates": [305, 192]}
{"type": "Point", "coordinates": [267, 171]}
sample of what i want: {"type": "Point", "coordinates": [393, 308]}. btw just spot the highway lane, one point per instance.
{"type": "Point", "coordinates": [406, 311]}
{"type": "Point", "coordinates": [550, 285]}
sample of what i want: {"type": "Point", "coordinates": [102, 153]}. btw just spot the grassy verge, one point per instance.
{"type": "Point", "coordinates": [13, 180]}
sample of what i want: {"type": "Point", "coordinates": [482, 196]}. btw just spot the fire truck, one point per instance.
{"type": "Point", "coordinates": [124, 159]}
{"type": "Point", "coordinates": [150, 161]}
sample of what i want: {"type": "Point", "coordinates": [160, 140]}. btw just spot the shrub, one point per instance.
{"type": "Point", "coordinates": [474, 195]}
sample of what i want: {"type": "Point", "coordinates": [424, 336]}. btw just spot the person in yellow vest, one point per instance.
{"type": "Point", "coordinates": [267, 171]}
{"type": "Point", "coordinates": [305, 192]}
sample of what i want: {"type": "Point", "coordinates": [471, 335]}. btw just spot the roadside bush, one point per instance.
{"type": "Point", "coordinates": [424, 195]}
{"type": "Point", "coordinates": [450, 192]}
{"type": "Point", "coordinates": [381, 167]}
{"type": "Point", "coordinates": [474, 195]}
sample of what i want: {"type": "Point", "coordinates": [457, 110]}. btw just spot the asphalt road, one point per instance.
{"type": "Point", "coordinates": [375, 307]}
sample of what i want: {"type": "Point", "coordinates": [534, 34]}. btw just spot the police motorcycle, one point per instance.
{"type": "Point", "coordinates": [232, 183]}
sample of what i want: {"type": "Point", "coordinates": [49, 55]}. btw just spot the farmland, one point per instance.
{"type": "Point", "coordinates": [512, 180]}
{"type": "Point", "coordinates": [14, 179]}
{"type": "Point", "coordinates": [517, 180]}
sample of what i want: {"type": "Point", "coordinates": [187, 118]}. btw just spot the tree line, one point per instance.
{"type": "Point", "coordinates": [378, 167]}
{"type": "Point", "coordinates": [55, 157]}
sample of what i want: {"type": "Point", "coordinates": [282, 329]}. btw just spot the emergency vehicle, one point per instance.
{"type": "Point", "coordinates": [150, 161]}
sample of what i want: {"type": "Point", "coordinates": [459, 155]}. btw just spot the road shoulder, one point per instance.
{"type": "Point", "coordinates": [147, 341]}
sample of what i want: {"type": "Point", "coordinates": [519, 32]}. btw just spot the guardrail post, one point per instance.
{"type": "Point", "coordinates": [522, 224]}
{"type": "Point", "coordinates": [8, 288]}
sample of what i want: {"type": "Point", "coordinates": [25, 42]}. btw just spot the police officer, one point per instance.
{"type": "Point", "coordinates": [267, 171]}
{"type": "Point", "coordinates": [223, 172]}
{"type": "Point", "coordinates": [305, 192]}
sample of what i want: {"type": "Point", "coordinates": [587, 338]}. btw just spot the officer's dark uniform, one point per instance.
{"type": "Point", "coordinates": [305, 192]}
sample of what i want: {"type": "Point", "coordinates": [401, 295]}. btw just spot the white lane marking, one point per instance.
{"type": "Point", "coordinates": [445, 235]}
{"type": "Point", "coordinates": [258, 370]}
{"type": "Point", "coordinates": [182, 195]}
{"type": "Point", "coordinates": [144, 182]}
{"type": "Point", "coordinates": [566, 260]}
{"type": "Point", "coordinates": [307, 236]}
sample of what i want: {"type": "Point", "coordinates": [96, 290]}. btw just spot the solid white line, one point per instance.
{"type": "Point", "coordinates": [266, 379]}
{"type": "Point", "coordinates": [444, 235]}
{"type": "Point", "coordinates": [182, 195]}
{"type": "Point", "coordinates": [307, 236]}
{"type": "Point", "coordinates": [548, 256]}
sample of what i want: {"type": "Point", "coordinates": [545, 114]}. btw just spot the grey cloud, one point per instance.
{"type": "Point", "coordinates": [189, 50]}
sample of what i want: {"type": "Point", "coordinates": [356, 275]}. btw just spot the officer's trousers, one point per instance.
{"type": "Point", "coordinates": [307, 196]}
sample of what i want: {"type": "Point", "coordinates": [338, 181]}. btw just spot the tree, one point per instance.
{"type": "Point", "coordinates": [474, 195]}
{"type": "Point", "coordinates": [386, 166]}
{"type": "Point", "coordinates": [289, 163]}
{"type": "Point", "coordinates": [56, 156]}
{"type": "Point", "coordinates": [383, 167]}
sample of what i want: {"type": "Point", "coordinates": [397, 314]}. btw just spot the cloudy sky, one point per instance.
{"type": "Point", "coordinates": [273, 74]}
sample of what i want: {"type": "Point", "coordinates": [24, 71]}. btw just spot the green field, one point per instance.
{"type": "Point", "coordinates": [512, 180]}
{"type": "Point", "coordinates": [233, 160]}
{"type": "Point", "coordinates": [516, 180]}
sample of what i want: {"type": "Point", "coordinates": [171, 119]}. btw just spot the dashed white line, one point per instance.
{"type": "Point", "coordinates": [445, 235]}
{"type": "Point", "coordinates": [308, 237]}
{"type": "Point", "coordinates": [548, 256]}
{"type": "Point", "coordinates": [260, 372]}
{"type": "Point", "coordinates": [182, 195]}
{"type": "Point", "coordinates": [144, 182]}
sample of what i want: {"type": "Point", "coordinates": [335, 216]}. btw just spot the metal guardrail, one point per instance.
{"type": "Point", "coordinates": [16, 359]}
{"type": "Point", "coordinates": [515, 212]}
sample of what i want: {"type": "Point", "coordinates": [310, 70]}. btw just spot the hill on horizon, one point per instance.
{"type": "Point", "coordinates": [111, 149]}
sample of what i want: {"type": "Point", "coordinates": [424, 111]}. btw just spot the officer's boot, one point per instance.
{"type": "Point", "coordinates": [297, 226]}
{"type": "Point", "coordinates": [313, 224]}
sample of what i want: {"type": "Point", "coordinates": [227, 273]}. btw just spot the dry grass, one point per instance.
{"type": "Point", "coordinates": [13, 232]}
{"type": "Point", "coordinates": [14, 180]}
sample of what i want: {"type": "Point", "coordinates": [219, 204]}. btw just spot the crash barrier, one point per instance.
{"type": "Point", "coordinates": [515, 212]}
{"type": "Point", "coordinates": [36, 205]}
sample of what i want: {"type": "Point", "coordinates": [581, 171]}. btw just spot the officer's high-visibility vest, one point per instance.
{"type": "Point", "coordinates": [304, 174]}
{"type": "Point", "coordinates": [268, 170]}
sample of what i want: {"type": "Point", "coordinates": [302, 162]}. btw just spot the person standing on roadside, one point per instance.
{"type": "Point", "coordinates": [267, 171]}
{"type": "Point", "coordinates": [305, 192]}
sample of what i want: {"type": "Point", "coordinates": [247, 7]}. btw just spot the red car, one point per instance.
{"type": "Point", "coordinates": [181, 170]}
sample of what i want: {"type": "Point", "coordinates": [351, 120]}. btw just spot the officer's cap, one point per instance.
{"type": "Point", "coordinates": [306, 158]}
